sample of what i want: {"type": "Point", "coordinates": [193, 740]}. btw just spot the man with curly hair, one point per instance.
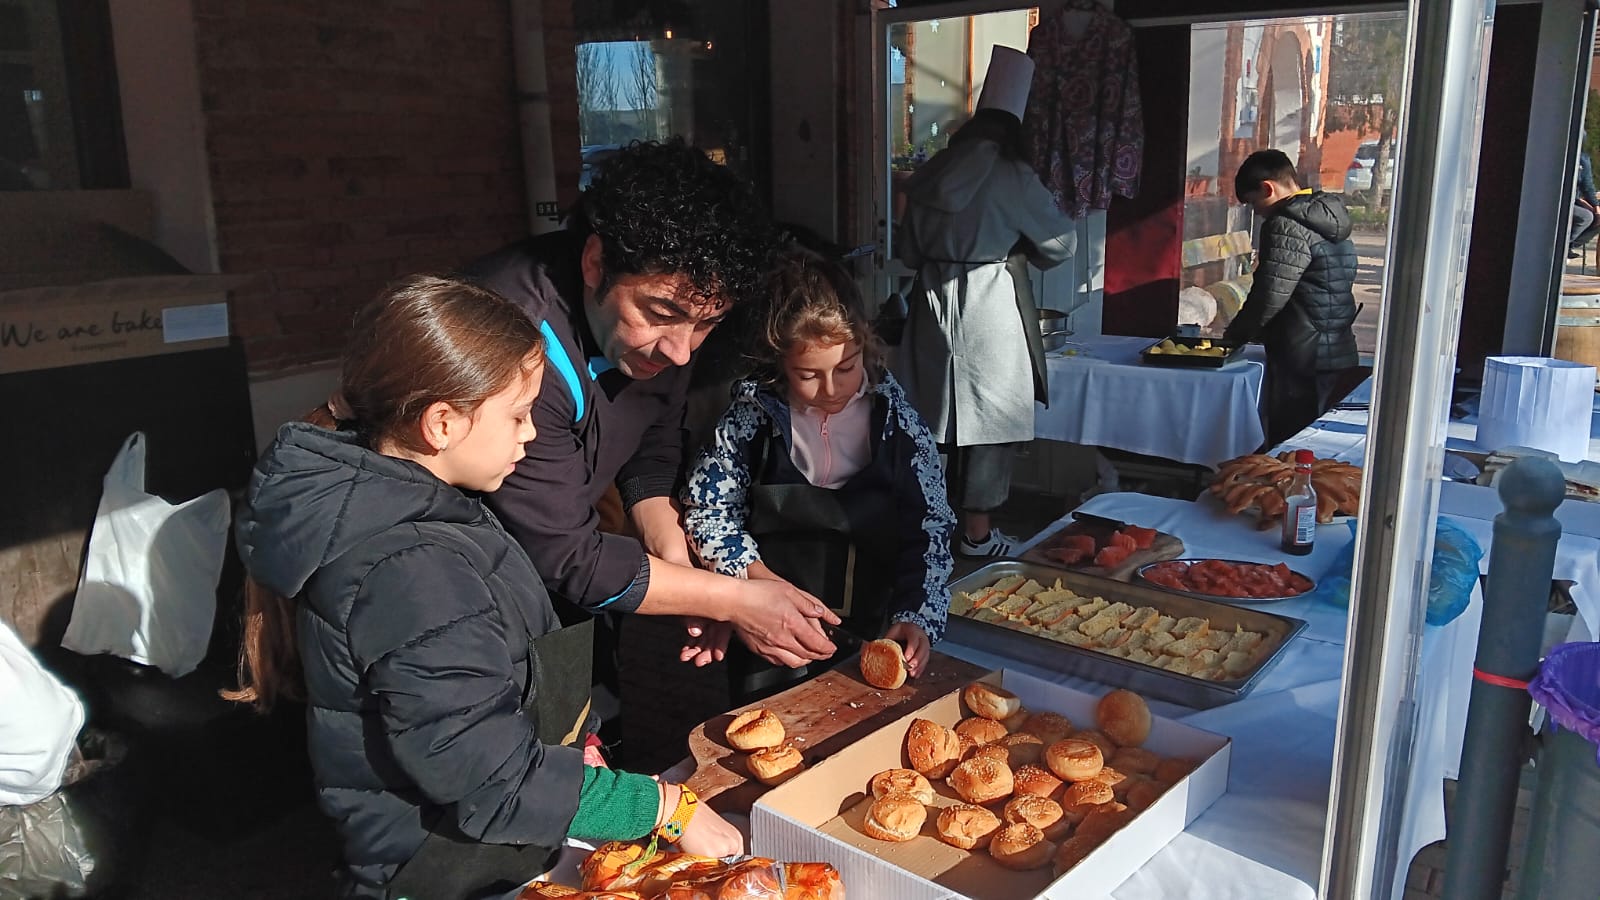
{"type": "Point", "coordinates": [660, 246]}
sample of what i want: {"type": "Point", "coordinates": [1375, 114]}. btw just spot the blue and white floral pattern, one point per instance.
{"type": "Point", "coordinates": [716, 497]}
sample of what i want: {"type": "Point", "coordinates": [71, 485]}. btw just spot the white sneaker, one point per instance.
{"type": "Point", "coordinates": [998, 543]}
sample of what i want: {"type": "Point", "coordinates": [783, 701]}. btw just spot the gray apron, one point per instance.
{"type": "Point", "coordinates": [452, 866]}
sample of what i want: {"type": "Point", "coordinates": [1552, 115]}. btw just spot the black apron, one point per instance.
{"type": "Point", "coordinates": [452, 866]}
{"type": "Point", "coordinates": [839, 545]}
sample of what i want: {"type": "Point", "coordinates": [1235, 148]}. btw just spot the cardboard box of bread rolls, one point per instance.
{"type": "Point", "coordinates": [818, 814]}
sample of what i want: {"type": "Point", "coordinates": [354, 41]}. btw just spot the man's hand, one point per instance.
{"type": "Point", "coordinates": [918, 648]}
{"type": "Point", "coordinates": [779, 623]}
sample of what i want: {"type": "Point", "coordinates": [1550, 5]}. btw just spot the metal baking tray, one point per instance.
{"type": "Point", "coordinates": [1219, 598]}
{"type": "Point", "coordinates": [1185, 360]}
{"type": "Point", "coordinates": [1277, 631]}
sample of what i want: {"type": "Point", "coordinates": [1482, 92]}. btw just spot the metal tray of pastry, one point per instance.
{"type": "Point", "coordinates": [1139, 575]}
{"type": "Point", "coordinates": [1231, 353]}
{"type": "Point", "coordinates": [1276, 630]}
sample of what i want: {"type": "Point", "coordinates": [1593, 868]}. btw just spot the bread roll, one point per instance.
{"type": "Point", "coordinates": [995, 751]}
{"type": "Point", "coordinates": [754, 730]}
{"type": "Point", "coordinates": [897, 817]}
{"type": "Point", "coordinates": [774, 765]}
{"type": "Point", "coordinates": [1124, 717]}
{"type": "Point", "coordinates": [1086, 794]}
{"type": "Point", "coordinates": [685, 892]}
{"type": "Point", "coordinates": [1072, 851]}
{"type": "Point", "coordinates": [1112, 778]}
{"type": "Point", "coordinates": [1023, 749]}
{"type": "Point", "coordinates": [981, 780]}
{"type": "Point", "coordinates": [1108, 747]}
{"type": "Point", "coordinates": [1134, 761]}
{"type": "Point", "coordinates": [1048, 726]}
{"type": "Point", "coordinates": [967, 745]}
{"type": "Point", "coordinates": [812, 881]}
{"type": "Point", "coordinates": [1103, 821]}
{"type": "Point", "coordinates": [1037, 781]}
{"type": "Point", "coordinates": [883, 664]}
{"type": "Point", "coordinates": [932, 748]}
{"type": "Point", "coordinates": [1014, 721]}
{"type": "Point", "coordinates": [1173, 769]}
{"type": "Point", "coordinates": [991, 702]}
{"type": "Point", "coordinates": [901, 781]}
{"type": "Point", "coordinates": [1021, 846]}
{"type": "Point", "coordinates": [981, 730]}
{"type": "Point", "coordinates": [1074, 759]}
{"type": "Point", "coordinates": [754, 883]}
{"type": "Point", "coordinates": [1040, 812]}
{"type": "Point", "coordinates": [1142, 793]}
{"type": "Point", "coordinates": [966, 826]}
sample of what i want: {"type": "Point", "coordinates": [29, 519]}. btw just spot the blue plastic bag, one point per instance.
{"type": "Point", "coordinates": [1453, 575]}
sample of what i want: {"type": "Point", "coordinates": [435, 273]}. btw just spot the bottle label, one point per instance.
{"type": "Point", "coordinates": [1305, 524]}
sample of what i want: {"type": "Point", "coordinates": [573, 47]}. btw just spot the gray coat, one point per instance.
{"type": "Point", "coordinates": [964, 359]}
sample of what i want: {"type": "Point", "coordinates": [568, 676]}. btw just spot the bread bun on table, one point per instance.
{"type": "Point", "coordinates": [967, 745]}
{"type": "Point", "coordinates": [1072, 851]}
{"type": "Point", "coordinates": [981, 780]}
{"type": "Point", "coordinates": [755, 729]}
{"type": "Point", "coordinates": [1108, 747]}
{"type": "Point", "coordinates": [991, 702]}
{"type": "Point", "coordinates": [932, 748]}
{"type": "Point", "coordinates": [1124, 717]}
{"type": "Point", "coordinates": [1082, 795]}
{"type": "Point", "coordinates": [1049, 727]}
{"type": "Point", "coordinates": [1021, 846]}
{"type": "Point", "coordinates": [1037, 781]}
{"type": "Point", "coordinates": [1112, 778]}
{"type": "Point", "coordinates": [883, 664]}
{"type": "Point", "coordinates": [1040, 812]}
{"type": "Point", "coordinates": [901, 781]}
{"type": "Point", "coordinates": [1134, 761]}
{"type": "Point", "coordinates": [1023, 749]}
{"type": "Point", "coordinates": [966, 826]}
{"type": "Point", "coordinates": [775, 765]}
{"type": "Point", "coordinates": [981, 730]}
{"type": "Point", "coordinates": [895, 817]}
{"type": "Point", "coordinates": [1074, 759]}
{"type": "Point", "coordinates": [1173, 769]}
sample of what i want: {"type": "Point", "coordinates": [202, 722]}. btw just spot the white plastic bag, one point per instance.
{"type": "Point", "coordinates": [39, 722]}
{"type": "Point", "coordinates": [148, 590]}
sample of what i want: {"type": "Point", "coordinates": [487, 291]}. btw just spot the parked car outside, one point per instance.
{"type": "Point", "coordinates": [1359, 176]}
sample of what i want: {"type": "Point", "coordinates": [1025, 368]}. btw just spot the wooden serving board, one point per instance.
{"type": "Point", "coordinates": [820, 717]}
{"type": "Point", "coordinates": [1163, 547]}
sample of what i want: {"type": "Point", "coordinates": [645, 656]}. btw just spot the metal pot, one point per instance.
{"type": "Point", "coordinates": [1053, 329]}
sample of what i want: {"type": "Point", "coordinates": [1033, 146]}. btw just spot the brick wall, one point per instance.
{"type": "Point", "coordinates": [350, 143]}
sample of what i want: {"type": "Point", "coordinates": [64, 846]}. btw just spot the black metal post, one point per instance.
{"type": "Point", "coordinates": [1515, 602]}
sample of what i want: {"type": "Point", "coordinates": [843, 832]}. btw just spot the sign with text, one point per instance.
{"type": "Point", "coordinates": [43, 328]}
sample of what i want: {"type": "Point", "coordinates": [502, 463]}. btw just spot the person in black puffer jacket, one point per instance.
{"type": "Point", "coordinates": [1301, 306]}
{"type": "Point", "coordinates": [447, 709]}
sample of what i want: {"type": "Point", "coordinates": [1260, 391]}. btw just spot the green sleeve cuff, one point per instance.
{"type": "Point", "coordinates": [615, 806]}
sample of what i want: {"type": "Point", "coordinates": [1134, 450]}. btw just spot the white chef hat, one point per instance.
{"type": "Point", "coordinates": [1007, 82]}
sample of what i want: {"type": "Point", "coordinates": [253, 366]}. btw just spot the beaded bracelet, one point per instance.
{"type": "Point", "coordinates": [672, 830]}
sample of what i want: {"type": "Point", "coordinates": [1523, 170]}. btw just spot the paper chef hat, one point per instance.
{"type": "Point", "coordinates": [1007, 82]}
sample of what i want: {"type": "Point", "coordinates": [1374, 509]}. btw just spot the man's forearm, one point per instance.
{"type": "Point", "coordinates": [679, 590]}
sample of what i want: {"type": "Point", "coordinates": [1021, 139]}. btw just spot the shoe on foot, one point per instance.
{"type": "Point", "coordinates": [998, 543]}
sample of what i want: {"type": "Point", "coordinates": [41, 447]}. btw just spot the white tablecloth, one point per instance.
{"type": "Point", "coordinates": [1105, 397]}
{"type": "Point", "coordinates": [1264, 837]}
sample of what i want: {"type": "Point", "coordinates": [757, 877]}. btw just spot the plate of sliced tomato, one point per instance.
{"type": "Point", "coordinates": [1233, 580]}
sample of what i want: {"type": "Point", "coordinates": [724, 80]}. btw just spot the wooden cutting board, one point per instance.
{"type": "Point", "coordinates": [820, 717]}
{"type": "Point", "coordinates": [1164, 546]}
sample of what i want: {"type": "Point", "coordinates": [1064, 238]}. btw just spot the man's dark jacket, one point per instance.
{"type": "Point", "coordinates": [596, 426]}
{"type": "Point", "coordinates": [414, 611]}
{"type": "Point", "coordinates": [1300, 304]}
